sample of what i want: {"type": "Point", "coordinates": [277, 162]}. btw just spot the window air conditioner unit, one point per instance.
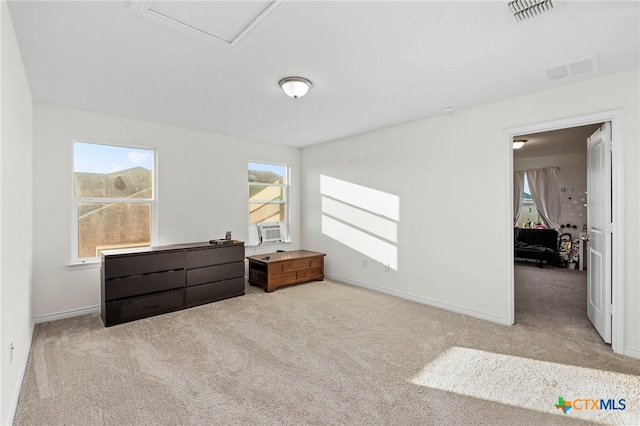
{"type": "Point", "coordinates": [270, 232]}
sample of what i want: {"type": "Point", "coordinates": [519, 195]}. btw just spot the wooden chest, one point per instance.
{"type": "Point", "coordinates": [274, 270]}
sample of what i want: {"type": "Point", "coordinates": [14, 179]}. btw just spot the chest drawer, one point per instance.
{"type": "Point", "coordinates": [315, 272]}
{"type": "Point", "coordinates": [122, 266]}
{"type": "Point", "coordinates": [215, 273]}
{"type": "Point", "coordinates": [144, 306]}
{"type": "Point", "coordinates": [212, 292]}
{"type": "Point", "coordinates": [296, 265]}
{"type": "Point", "coordinates": [213, 256]}
{"type": "Point", "coordinates": [136, 285]}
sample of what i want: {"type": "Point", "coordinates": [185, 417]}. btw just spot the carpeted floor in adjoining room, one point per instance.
{"type": "Point", "coordinates": [553, 299]}
{"type": "Point", "coordinates": [325, 353]}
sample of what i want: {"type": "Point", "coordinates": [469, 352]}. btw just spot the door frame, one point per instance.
{"type": "Point", "coordinates": [617, 283]}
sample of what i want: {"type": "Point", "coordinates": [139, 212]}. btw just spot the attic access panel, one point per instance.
{"type": "Point", "coordinates": [225, 23]}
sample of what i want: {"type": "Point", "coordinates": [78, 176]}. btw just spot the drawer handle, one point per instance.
{"type": "Point", "coordinates": [151, 307]}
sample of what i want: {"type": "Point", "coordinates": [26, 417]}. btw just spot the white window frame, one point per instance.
{"type": "Point", "coordinates": [286, 201]}
{"type": "Point", "coordinates": [79, 262]}
{"type": "Point", "coordinates": [526, 179]}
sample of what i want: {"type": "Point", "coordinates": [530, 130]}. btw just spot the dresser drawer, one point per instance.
{"type": "Point", "coordinates": [143, 306]}
{"type": "Point", "coordinates": [206, 293]}
{"type": "Point", "coordinates": [135, 285]}
{"type": "Point", "coordinates": [215, 273]}
{"type": "Point", "coordinates": [213, 256]}
{"type": "Point", "coordinates": [138, 264]}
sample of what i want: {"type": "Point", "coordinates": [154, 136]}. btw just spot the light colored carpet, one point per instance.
{"type": "Point", "coordinates": [319, 353]}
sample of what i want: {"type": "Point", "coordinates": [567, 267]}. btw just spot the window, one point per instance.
{"type": "Point", "coordinates": [113, 198]}
{"type": "Point", "coordinates": [267, 193]}
{"type": "Point", "coordinates": [529, 217]}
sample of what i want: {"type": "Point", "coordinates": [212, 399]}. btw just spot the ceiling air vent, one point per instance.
{"type": "Point", "coordinates": [523, 9]}
{"type": "Point", "coordinates": [572, 69]}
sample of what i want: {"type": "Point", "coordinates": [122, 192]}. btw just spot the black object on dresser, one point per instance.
{"type": "Point", "coordinates": [142, 282]}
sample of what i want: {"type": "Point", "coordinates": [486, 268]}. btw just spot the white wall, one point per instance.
{"type": "Point", "coordinates": [202, 193]}
{"type": "Point", "coordinates": [445, 166]}
{"type": "Point", "coordinates": [16, 135]}
{"type": "Point", "coordinates": [572, 176]}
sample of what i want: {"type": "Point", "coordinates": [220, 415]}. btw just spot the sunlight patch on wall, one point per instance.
{"type": "Point", "coordinates": [365, 243]}
{"type": "Point", "coordinates": [536, 385]}
{"type": "Point", "coordinates": [372, 200]}
{"type": "Point", "coordinates": [361, 218]}
{"type": "Point", "coordinates": [384, 228]}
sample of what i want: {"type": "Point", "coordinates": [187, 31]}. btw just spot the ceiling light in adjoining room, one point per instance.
{"type": "Point", "coordinates": [519, 143]}
{"type": "Point", "coordinates": [447, 110]}
{"type": "Point", "coordinates": [296, 87]}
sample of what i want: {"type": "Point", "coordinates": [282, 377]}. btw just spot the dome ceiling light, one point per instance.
{"type": "Point", "coordinates": [519, 143]}
{"type": "Point", "coordinates": [296, 87]}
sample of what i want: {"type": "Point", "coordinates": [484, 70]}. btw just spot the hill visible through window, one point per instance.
{"type": "Point", "coordinates": [113, 208]}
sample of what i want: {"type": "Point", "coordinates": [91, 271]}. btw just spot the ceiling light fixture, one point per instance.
{"type": "Point", "coordinates": [519, 143]}
{"type": "Point", "coordinates": [447, 110]}
{"type": "Point", "coordinates": [296, 87]}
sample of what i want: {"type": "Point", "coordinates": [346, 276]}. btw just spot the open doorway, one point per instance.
{"type": "Point", "coordinates": [615, 179]}
{"type": "Point", "coordinates": [551, 287]}
{"type": "Point", "coordinates": [563, 153]}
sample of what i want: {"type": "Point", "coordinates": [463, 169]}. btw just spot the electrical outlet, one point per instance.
{"type": "Point", "coordinates": [364, 263]}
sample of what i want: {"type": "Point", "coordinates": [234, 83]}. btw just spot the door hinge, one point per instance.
{"type": "Point", "coordinates": [610, 146]}
{"type": "Point", "coordinates": [610, 228]}
{"type": "Point", "coordinates": [609, 310]}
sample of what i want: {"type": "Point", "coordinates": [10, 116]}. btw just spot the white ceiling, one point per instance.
{"type": "Point", "coordinates": [571, 140]}
{"type": "Point", "coordinates": [373, 64]}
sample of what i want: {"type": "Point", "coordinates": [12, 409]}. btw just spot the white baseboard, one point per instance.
{"type": "Point", "coordinates": [424, 301]}
{"type": "Point", "coordinates": [22, 370]}
{"type": "Point", "coordinates": [633, 353]}
{"type": "Point", "coordinates": [68, 314]}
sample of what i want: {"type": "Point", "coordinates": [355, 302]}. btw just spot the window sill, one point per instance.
{"type": "Point", "coordinates": [266, 248]}
{"type": "Point", "coordinates": [86, 264]}
{"type": "Point", "coordinates": [279, 243]}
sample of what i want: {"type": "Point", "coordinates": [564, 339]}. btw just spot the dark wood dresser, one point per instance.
{"type": "Point", "coordinates": [274, 270]}
{"type": "Point", "coordinates": [142, 282]}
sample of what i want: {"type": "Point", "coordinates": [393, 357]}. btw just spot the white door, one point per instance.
{"type": "Point", "coordinates": [600, 230]}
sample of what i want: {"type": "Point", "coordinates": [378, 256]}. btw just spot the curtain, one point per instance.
{"type": "Point", "coordinates": [543, 184]}
{"type": "Point", "coordinates": [518, 189]}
